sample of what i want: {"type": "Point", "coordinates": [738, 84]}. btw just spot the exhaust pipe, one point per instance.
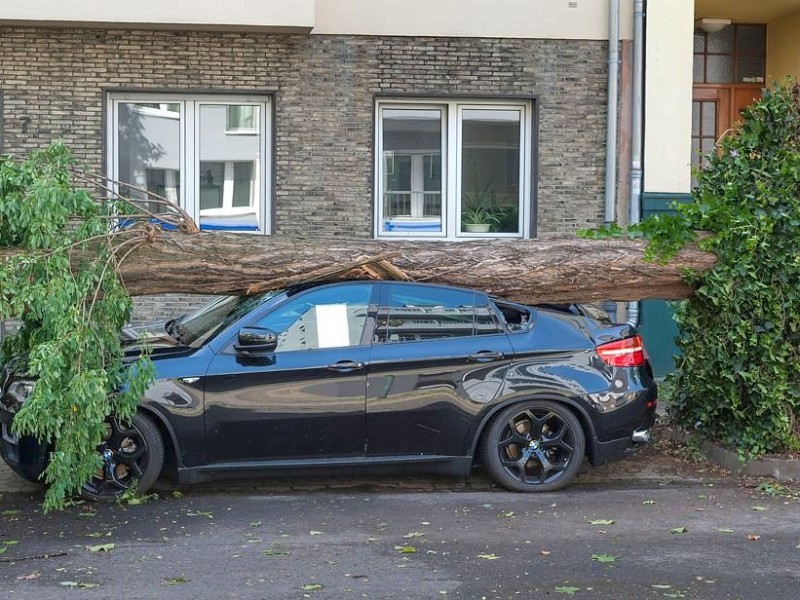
{"type": "Point", "coordinates": [641, 435]}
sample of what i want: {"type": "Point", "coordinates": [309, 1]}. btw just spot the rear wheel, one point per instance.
{"type": "Point", "coordinates": [132, 454]}
{"type": "Point", "coordinates": [535, 446]}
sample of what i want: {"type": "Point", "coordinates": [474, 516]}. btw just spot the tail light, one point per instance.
{"type": "Point", "coordinates": [623, 353]}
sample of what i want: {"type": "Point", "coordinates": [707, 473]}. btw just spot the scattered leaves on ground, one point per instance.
{"type": "Point", "coordinates": [413, 534]}
{"type": "Point", "coordinates": [678, 530]}
{"type": "Point", "coordinates": [604, 558]}
{"type": "Point", "coordinates": [566, 589]}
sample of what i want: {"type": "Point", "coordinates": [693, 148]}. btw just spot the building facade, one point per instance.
{"type": "Point", "coordinates": [453, 119]}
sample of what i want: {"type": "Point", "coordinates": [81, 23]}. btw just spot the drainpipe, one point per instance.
{"type": "Point", "coordinates": [636, 129]}
{"type": "Point", "coordinates": [636, 124]}
{"type": "Point", "coordinates": [611, 124]}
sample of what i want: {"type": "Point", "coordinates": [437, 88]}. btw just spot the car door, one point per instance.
{"type": "Point", "coordinates": [304, 400]}
{"type": "Point", "coordinates": [438, 356]}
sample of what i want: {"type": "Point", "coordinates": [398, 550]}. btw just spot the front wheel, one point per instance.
{"type": "Point", "coordinates": [535, 446]}
{"type": "Point", "coordinates": [132, 454]}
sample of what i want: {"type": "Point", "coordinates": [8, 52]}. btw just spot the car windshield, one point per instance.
{"type": "Point", "coordinates": [198, 328]}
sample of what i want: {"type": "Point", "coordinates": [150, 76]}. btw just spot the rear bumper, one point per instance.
{"type": "Point", "coordinates": [608, 451]}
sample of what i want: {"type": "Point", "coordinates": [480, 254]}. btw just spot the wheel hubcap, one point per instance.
{"type": "Point", "coordinates": [536, 446]}
{"type": "Point", "coordinates": [123, 451]}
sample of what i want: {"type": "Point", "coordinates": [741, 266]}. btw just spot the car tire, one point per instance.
{"type": "Point", "coordinates": [534, 446]}
{"type": "Point", "coordinates": [133, 454]}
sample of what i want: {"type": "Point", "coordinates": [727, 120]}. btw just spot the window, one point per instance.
{"type": "Point", "coordinates": [209, 154]}
{"type": "Point", "coordinates": [331, 317]}
{"type": "Point", "coordinates": [409, 313]}
{"type": "Point", "coordinates": [735, 54]}
{"type": "Point", "coordinates": [453, 169]}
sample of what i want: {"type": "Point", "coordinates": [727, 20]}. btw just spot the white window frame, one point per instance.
{"type": "Point", "coordinates": [452, 118]}
{"type": "Point", "coordinates": [189, 160]}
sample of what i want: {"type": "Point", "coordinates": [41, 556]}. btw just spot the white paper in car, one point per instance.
{"type": "Point", "coordinates": [332, 326]}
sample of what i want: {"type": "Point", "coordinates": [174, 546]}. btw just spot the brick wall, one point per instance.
{"type": "Point", "coordinates": [53, 81]}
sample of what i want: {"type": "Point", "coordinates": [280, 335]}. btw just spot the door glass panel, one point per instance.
{"type": "Point", "coordinates": [750, 40]}
{"type": "Point", "coordinates": [149, 150]}
{"type": "Point", "coordinates": [699, 41]}
{"type": "Point", "coordinates": [695, 118]}
{"type": "Point", "coordinates": [417, 314]}
{"type": "Point", "coordinates": [331, 317]}
{"type": "Point", "coordinates": [720, 42]}
{"type": "Point", "coordinates": [229, 167]}
{"type": "Point", "coordinates": [720, 69]}
{"type": "Point", "coordinates": [699, 73]}
{"type": "Point", "coordinates": [750, 69]}
{"type": "Point", "coordinates": [490, 170]}
{"type": "Point", "coordinates": [412, 170]}
{"type": "Point", "coordinates": [709, 118]}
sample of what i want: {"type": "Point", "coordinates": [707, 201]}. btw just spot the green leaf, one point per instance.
{"type": "Point", "coordinates": [604, 558]}
{"type": "Point", "coordinates": [413, 534]}
{"type": "Point", "coordinates": [405, 549]}
{"type": "Point", "coordinates": [488, 556]}
{"type": "Point", "coordinates": [678, 530]}
{"type": "Point", "coordinates": [725, 530]}
{"type": "Point", "coordinates": [310, 587]}
{"type": "Point", "coordinates": [602, 522]}
{"type": "Point", "coordinates": [568, 590]}
{"type": "Point", "coordinates": [101, 548]}
{"type": "Point", "coordinates": [760, 508]}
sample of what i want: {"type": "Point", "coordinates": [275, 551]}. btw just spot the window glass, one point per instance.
{"type": "Point", "coordinates": [330, 317]}
{"type": "Point", "coordinates": [490, 161]}
{"type": "Point", "coordinates": [242, 118]}
{"type": "Point", "coordinates": [229, 197]}
{"type": "Point", "coordinates": [410, 313]}
{"type": "Point", "coordinates": [485, 321]}
{"type": "Point", "coordinates": [149, 151]}
{"type": "Point", "coordinates": [412, 170]}
{"type": "Point", "coordinates": [735, 54]}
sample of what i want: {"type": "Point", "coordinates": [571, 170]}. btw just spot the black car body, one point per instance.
{"type": "Point", "coordinates": [372, 374]}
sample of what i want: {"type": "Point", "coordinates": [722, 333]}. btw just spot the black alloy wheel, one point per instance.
{"type": "Point", "coordinates": [535, 446]}
{"type": "Point", "coordinates": [132, 453]}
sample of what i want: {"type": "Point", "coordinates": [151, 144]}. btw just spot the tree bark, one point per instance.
{"type": "Point", "coordinates": [534, 271]}
{"type": "Point", "coordinates": [555, 270]}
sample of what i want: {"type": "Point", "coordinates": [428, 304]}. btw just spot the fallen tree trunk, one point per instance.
{"type": "Point", "coordinates": [535, 271]}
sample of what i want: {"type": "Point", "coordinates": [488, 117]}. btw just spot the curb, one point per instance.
{"type": "Point", "coordinates": [782, 469]}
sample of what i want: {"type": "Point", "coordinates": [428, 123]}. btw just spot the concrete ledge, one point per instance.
{"type": "Point", "coordinates": [783, 469]}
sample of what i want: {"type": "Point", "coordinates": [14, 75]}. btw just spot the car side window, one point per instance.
{"type": "Point", "coordinates": [409, 313]}
{"type": "Point", "coordinates": [330, 317]}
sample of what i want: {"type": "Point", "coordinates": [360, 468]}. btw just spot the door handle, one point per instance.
{"type": "Point", "coordinates": [485, 356]}
{"type": "Point", "coordinates": [343, 366]}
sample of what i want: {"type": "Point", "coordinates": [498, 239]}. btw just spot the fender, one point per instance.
{"type": "Point", "coordinates": [575, 404]}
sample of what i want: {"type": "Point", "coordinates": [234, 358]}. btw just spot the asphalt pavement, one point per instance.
{"type": "Point", "coordinates": [655, 526]}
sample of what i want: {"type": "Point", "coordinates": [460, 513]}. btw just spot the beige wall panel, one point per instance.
{"type": "Point", "coordinates": [548, 19]}
{"type": "Point", "coordinates": [291, 15]}
{"type": "Point", "coordinates": [783, 47]}
{"type": "Point", "coordinates": [668, 104]}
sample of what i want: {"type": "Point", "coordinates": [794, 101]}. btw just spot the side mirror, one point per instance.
{"type": "Point", "coordinates": [256, 340]}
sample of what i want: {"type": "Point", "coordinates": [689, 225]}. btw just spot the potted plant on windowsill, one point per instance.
{"type": "Point", "coordinates": [478, 218]}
